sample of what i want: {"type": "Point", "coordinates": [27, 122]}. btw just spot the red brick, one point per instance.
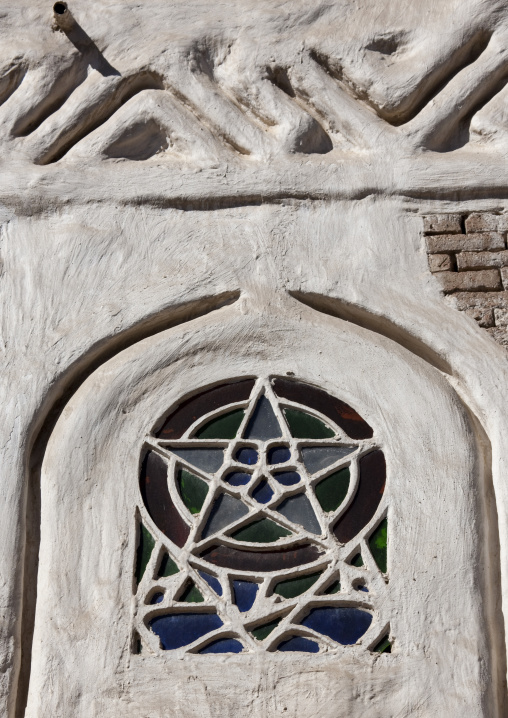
{"type": "Point", "coordinates": [486, 279]}
{"type": "Point", "coordinates": [442, 223]}
{"type": "Point", "coordinates": [440, 262]}
{"type": "Point", "coordinates": [481, 260]}
{"type": "Point", "coordinates": [482, 222]}
{"type": "Point", "coordinates": [465, 242]}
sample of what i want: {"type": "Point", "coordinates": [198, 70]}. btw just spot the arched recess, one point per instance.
{"type": "Point", "coordinates": [232, 328]}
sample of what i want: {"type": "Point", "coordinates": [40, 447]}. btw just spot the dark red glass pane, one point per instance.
{"type": "Point", "coordinates": [339, 412]}
{"type": "Point", "coordinates": [261, 560]}
{"type": "Point", "coordinates": [371, 485]}
{"type": "Point", "coordinates": [186, 414]}
{"type": "Point", "coordinates": [153, 483]}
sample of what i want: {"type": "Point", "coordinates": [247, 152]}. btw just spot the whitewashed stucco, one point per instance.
{"type": "Point", "coordinates": [239, 226]}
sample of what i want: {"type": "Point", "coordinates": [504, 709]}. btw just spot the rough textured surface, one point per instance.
{"type": "Point", "coordinates": [195, 190]}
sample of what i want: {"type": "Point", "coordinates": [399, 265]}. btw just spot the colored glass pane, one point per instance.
{"type": "Point", "coordinates": [156, 497]}
{"type": "Point", "coordinates": [193, 490]}
{"type": "Point", "coordinates": [342, 624]}
{"type": "Point", "coordinates": [316, 458]}
{"type": "Point", "coordinates": [298, 509]}
{"type": "Point", "coordinates": [241, 559]}
{"type": "Point", "coordinates": [384, 646]}
{"type": "Point", "coordinates": [357, 560]}
{"type": "Point", "coordinates": [223, 427]}
{"type": "Point", "coordinates": [223, 645]}
{"type": "Point", "coordinates": [300, 644]}
{"type": "Point", "coordinates": [157, 597]}
{"type": "Point", "coordinates": [338, 411]}
{"type": "Point", "coordinates": [332, 491]}
{"type": "Point", "coordinates": [279, 455]}
{"type": "Point", "coordinates": [361, 587]}
{"type": "Point", "coordinates": [263, 424]}
{"type": "Point", "coordinates": [238, 478]}
{"type": "Point", "coordinates": [378, 543]}
{"type": "Point", "coordinates": [262, 632]}
{"type": "Point", "coordinates": [287, 478]}
{"type": "Point", "coordinates": [248, 456]}
{"type": "Point", "coordinates": [305, 426]}
{"type": "Point", "coordinates": [191, 594]}
{"type": "Point", "coordinates": [167, 567]}
{"type": "Point", "coordinates": [293, 587]}
{"type": "Point", "coordinates": [212, 582]}
{"type": "Point", "coordinates": [262, 531]}
{"type": "Point", "coordinates": [206, 459]}
{"type": "Point", "coordinates": [209, 400]}
{"type": "Point", "coordinates": [371, 486]}
{"type": "Point", "coordinates": [225, 510]}
{"type": "Point", "coordinates": [263, 492]}
{"type": "Point", "coordinates": [176, 630]}
{"type": "Point", "coordinates": [244, 593]}
{"type": "Point", "coordinates": [333, 588]}
{"type": "Point", "coordinates": [146, 542]}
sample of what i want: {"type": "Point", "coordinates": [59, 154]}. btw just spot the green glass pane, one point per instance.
{"type": "Point", "coordinates": [168, 567]}
{"type": "Point", "coordinates": [357, 560]}
{"type": "Point", "coordinates": [333, 587]}
{"type": "Point", "coordinates": [145, 548]}
{"type": "Point", "coordinates": [193, 490]}
{"type": "Point", "coordinates": [384, 646]}
{"type": "Point", "coordinates": [191, 594]}
{"type": "Point", "coordinates": [305, 426]}
{"type": "Point", "coordinates": [296, 586]}
{"type": "Point", "coordinates": [378, 543]}
{"type": "Point", "coordinates": [261, 632]}
{"type": "Point", "coordinates": [224, 427]}
{"type": "Point", "coordinates": [263, 531]}
{"type": "Point", "coordinates": [332, 491]}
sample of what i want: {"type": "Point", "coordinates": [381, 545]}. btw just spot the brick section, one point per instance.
{"type": "Point", "coordinates": [468, 255]}
{"type": "Point", "coordinates": [482, 222]}
{"type": "Point", "coordinates": [465, 242]}
{"type": "Point", "coordinates": [477, 260]}
{"type": "Point", "coordinates": [486, 279]}
{"type": "Point", "coordinates": [442, 224]}
{"type": "Point", "coordinates": [440, 262]}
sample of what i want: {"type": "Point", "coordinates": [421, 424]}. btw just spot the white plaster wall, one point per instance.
{"type": "Point", "coordinates": [97, 253]}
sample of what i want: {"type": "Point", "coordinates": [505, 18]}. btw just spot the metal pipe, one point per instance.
{"type": "Point", "coordinates": [63, 16]}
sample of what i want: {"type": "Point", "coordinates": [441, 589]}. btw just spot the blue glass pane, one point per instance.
{"type": "Point", "coordinates": [316, 458]}
{"type": "Point", "coordinates": [263, 424]}
{"type": "Point", "coordinates": [263, 492]}
{"type": "Point", "coordinates": [209, 460]}
{"type": "Point", "coordinates": [287, 478]}
{"type": "Point", "coordinates": [299, 643]}
{"type": "Point", "coordinates": [212, 582]}
{"type": "Point", "coordinates": [279, 455]}
{"type": "Point", "coordinates": [362, 587]}
{"type": "Point", "coordinates": [244, 594]}
{"type": "Point", "coordinates": [157, 597]}
{"type": "Point", "coordinates": [299, 510]}
{"type": "Point", "coordinates": [179, 629]}
{"type": "Point", "coordinates": [223, 645]}
{"type": "Point", "coordinates": [238, 478]}
{"type": "Point", "coordinates": [225, 510]}
{"type": "Point", "coordinates": [342, 624]}
{"type": "Point", "coordinates": [247, 456]}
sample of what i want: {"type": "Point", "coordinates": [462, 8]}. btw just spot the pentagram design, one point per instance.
{"type": "Point", "coordinates": [256, 486]}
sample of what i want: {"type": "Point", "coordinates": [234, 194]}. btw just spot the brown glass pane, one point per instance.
{"type": "Point", "coordinates": [188, 411]}
{"type": "Point", "coordinates": [239, 560]}
{"type": "Point", "coordinates": [339, 412]}
{"type": "Point", "coordinates": [371, 485]}
{"type": "Point", "coordinates": [153, 483]}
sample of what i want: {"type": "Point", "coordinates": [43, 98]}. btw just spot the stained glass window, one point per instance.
{"type": "Point", "coordinates": [263, 524]}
